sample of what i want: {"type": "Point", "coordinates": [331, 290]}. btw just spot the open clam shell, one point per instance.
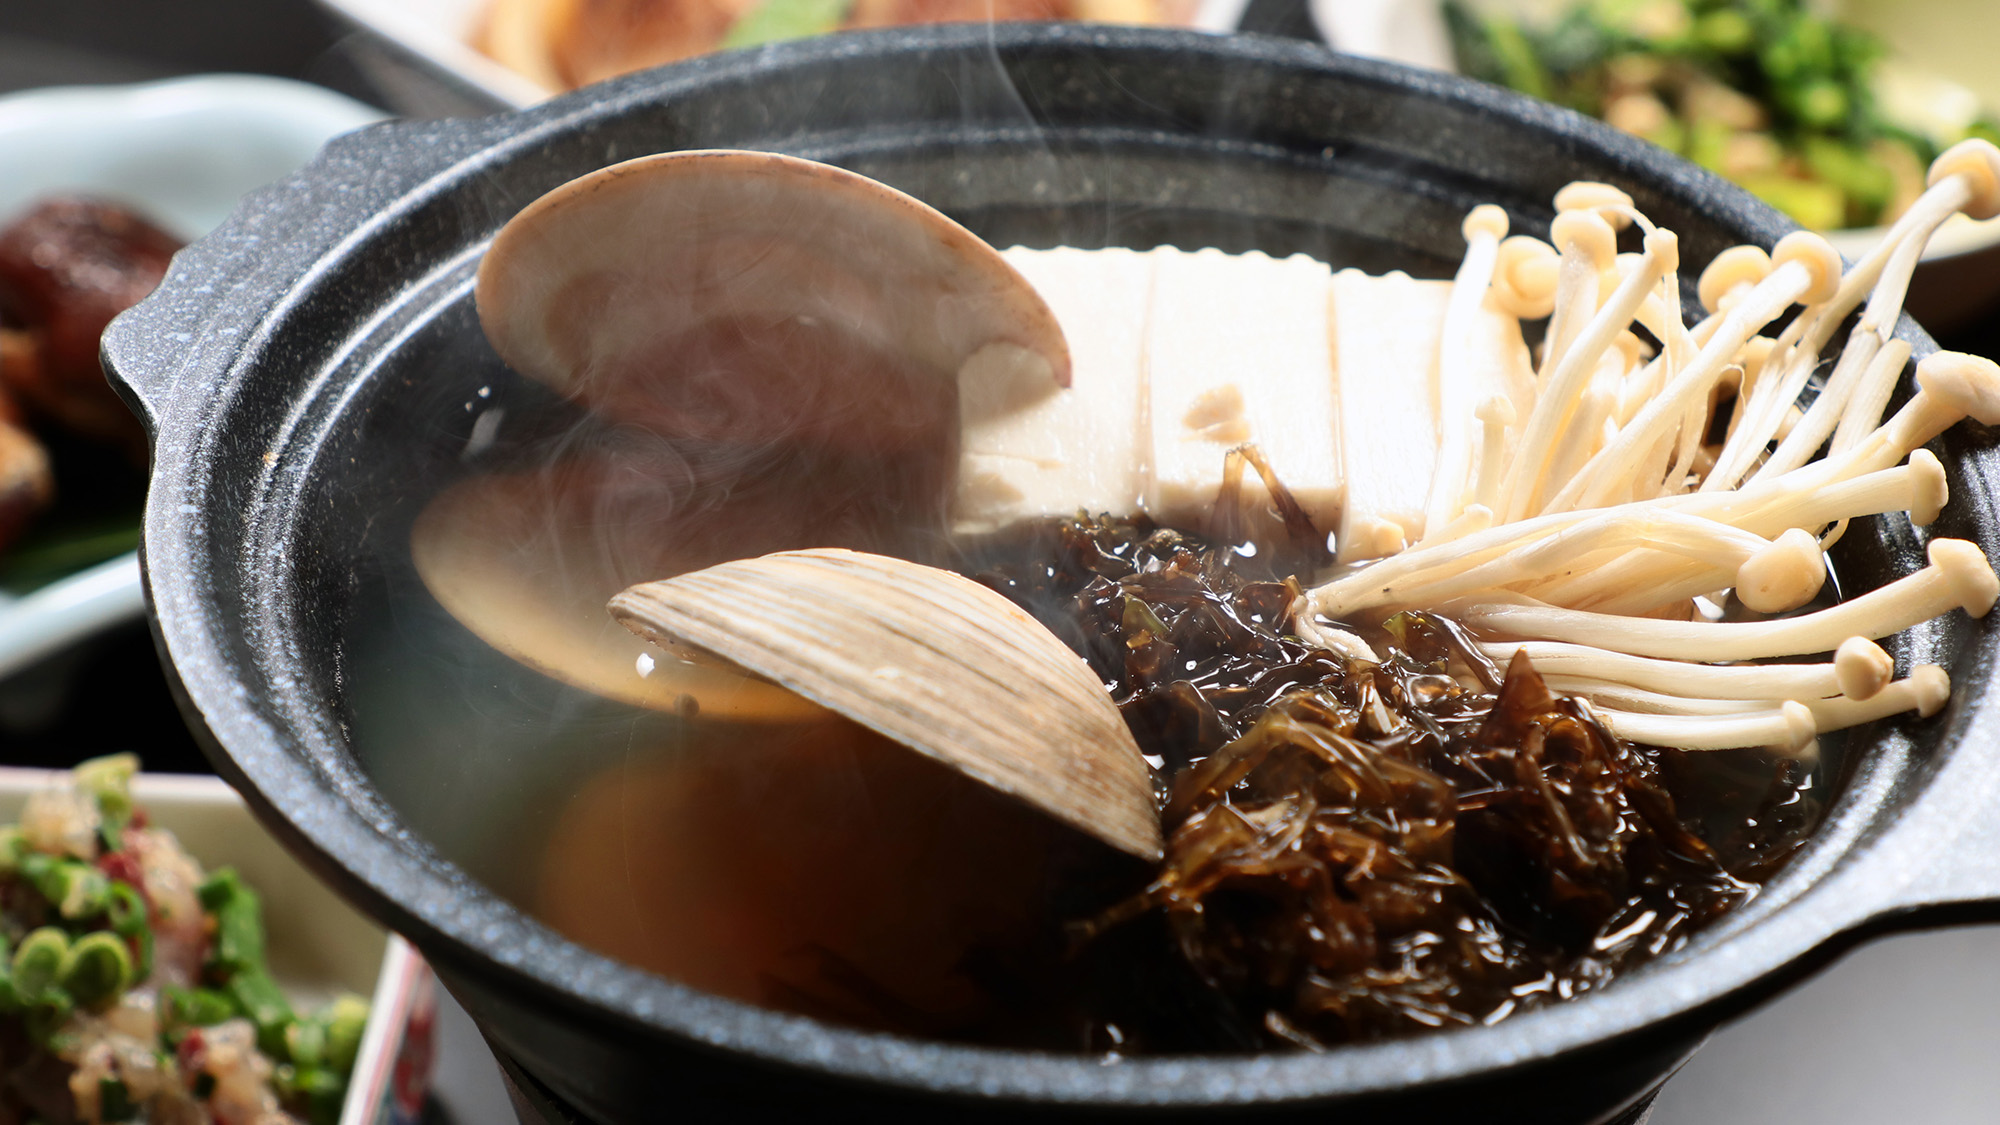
{"type": "Point", "coordinates": [518, 559]}
{"type": "Point", "coordinates": [928, 658]}
{"type": "Point", "coordinates": [743, 310]}
{"type": "Point", "coordinates": [730, 295]}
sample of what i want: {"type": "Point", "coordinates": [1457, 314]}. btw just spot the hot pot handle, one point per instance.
{"type": "Point", "coordinates": [179, 343]}
{"type": "Point", "coordinates": [1936, 859]}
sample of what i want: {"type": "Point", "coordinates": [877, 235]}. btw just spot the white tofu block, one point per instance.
{"type": "Point", "coordinates": [1032, 449]}
{"type": "Point", "coordinates": [1385, 331]}
{"type": "Point", "coordinates": [1238, 352]}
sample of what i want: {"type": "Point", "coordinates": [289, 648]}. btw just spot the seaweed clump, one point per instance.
{"type": "Point", "coordinates": [1356, 849]}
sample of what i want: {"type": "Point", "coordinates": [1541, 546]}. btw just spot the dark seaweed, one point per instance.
{"type": "Point", "coordinates": [1359, 850]}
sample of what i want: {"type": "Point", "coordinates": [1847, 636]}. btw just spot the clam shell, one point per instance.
{"type": "Point", "coordinates": [613, 287]}
{"type": "Point", "coordinates": [929, 659]}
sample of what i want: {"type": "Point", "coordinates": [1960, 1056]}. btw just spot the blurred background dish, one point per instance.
{"type": "Point", "coordinates": [182, 150]}
{"type": "Point", "coordinates": [521, 51]}
{"type": "Point", "coordinates": [318, 946]}
{"type": "Point", "coordinates": [177, 154]}
{"type": "Point", "coordinates": [1827, 110]}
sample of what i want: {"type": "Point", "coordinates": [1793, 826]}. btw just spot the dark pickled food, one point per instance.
{"type": "Point", "coordinates": [1358, 849]}
{"type": "Point", "coordinates": [66, 268]}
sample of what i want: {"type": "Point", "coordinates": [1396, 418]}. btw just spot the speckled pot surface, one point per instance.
{"type": "Point", "coordinates": [279, 365]}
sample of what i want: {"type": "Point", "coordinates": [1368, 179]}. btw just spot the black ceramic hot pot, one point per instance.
{"type": "Point", "coordinates": [310, 374]}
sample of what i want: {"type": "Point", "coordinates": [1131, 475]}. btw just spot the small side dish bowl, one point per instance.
{"type": "Point", "coordinates": [319, 946]}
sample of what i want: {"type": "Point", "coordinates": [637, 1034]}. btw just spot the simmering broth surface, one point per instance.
{"type": "Point", "coordinates": [813, 867]}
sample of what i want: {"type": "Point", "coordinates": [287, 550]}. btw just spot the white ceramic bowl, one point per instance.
{"type": "Point", "coordinates": [182, 152]}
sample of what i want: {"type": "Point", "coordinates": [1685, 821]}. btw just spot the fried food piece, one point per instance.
{"type": "Point", "coordinates": [67, 268]}
{"type": "Point", "coordinates": [603, 38]}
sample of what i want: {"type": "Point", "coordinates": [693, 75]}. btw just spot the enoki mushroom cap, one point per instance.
{"type": "Point", "coordinates": [1979, 162]}
{"type": "Point", "coordinates": [1485, 221]}
{"type": "Point", "coordinates": [1589, 195]}
{"type": "Point", "coordinates": [1969, 576]}
{"type": "Point", "coordinates": [1588, 233]}
{"type": "Point", "coordinates": [1738, 265]}
{"type": "Point", "coordinates": [1819, 258]}
{"type": "Point", "coordinates": [1800, 727]}
{"type": "Point", "coordinates": [1930, 687]}
{"type": "Point", "coordinates": [1783, 576]}
{"type": "Point", "coordinates": [1665, 245]}
{"type": "Point", "coordinates": [1495, 410]}
{"type": "Point", "coordinates": [1968, 384]}
{"type": "Point", "coordinates": [1929, 490]}
{"type": "Point", "coordinates": [1524, 278]}
{"type": "Point", "coordinates": [1861, 668]}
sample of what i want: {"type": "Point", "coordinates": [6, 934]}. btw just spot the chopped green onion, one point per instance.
{"type": "Point", "coordinates": [323, 1091]}
{"type": "Point", "coordinates": [258, 999]}
{"type": "Point", "coordinates": [305, 1042]}
{"type": "Point", "coordinates": [195, 1007]}
{"type": "Point", "coordinates": [77, 890]}
{"type": "Point", "coordinates": [38, 962]}
{"type": "Point", "coordinates": [125, 908]}
{"type": "Point", "coordinates": [346, 1019]}
{"type": "Point", "coordinates": [109, 780]}
{"type": "Point", "coordinates": [239, 921]}
{"type": "Point", "coordinates": [97, 969]}
{"type": "Point", "coordinates": [13, 848]}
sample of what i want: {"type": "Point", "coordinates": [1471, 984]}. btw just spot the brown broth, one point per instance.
{"type": "Point", "coordinates": [814, 868]}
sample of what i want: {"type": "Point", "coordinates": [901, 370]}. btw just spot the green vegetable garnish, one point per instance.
{"type": "Point", "coordinates": [305, 1042]}
{"type": "Point", "coordinates": [774, 21]}
{"type": "Point", "coordinates": [346, 1019]}
{"type": "Point", "coordinates": [239, 921]}
{"type": "Point", "coordinates": [13, 848]}
{"type": "Point", "coordinates": [96, 970]}
{"type": "Point", "coordinates": [38, 962]}
{"type": "Point", "coordinates": [101, 945]}
{"type": "Point", "coordinates": [109, 781]}
{"type": "Point", "coordinates": [237, 957]}
{"type": "Point", "coordinates": [194, 1007]}
{"type": "Point", "coordinates": [322, 1091]}
{"type": "Point", "coordinates": [76, 889]}
{"type": "Point", "coordinates": [125, 909]}
{"type": "Point", "coordinates": [258, 999]}
{"type": "Point", "coordinates": [1812, 203]}
{"type": "Point", "coordinates": [1726, 32]}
